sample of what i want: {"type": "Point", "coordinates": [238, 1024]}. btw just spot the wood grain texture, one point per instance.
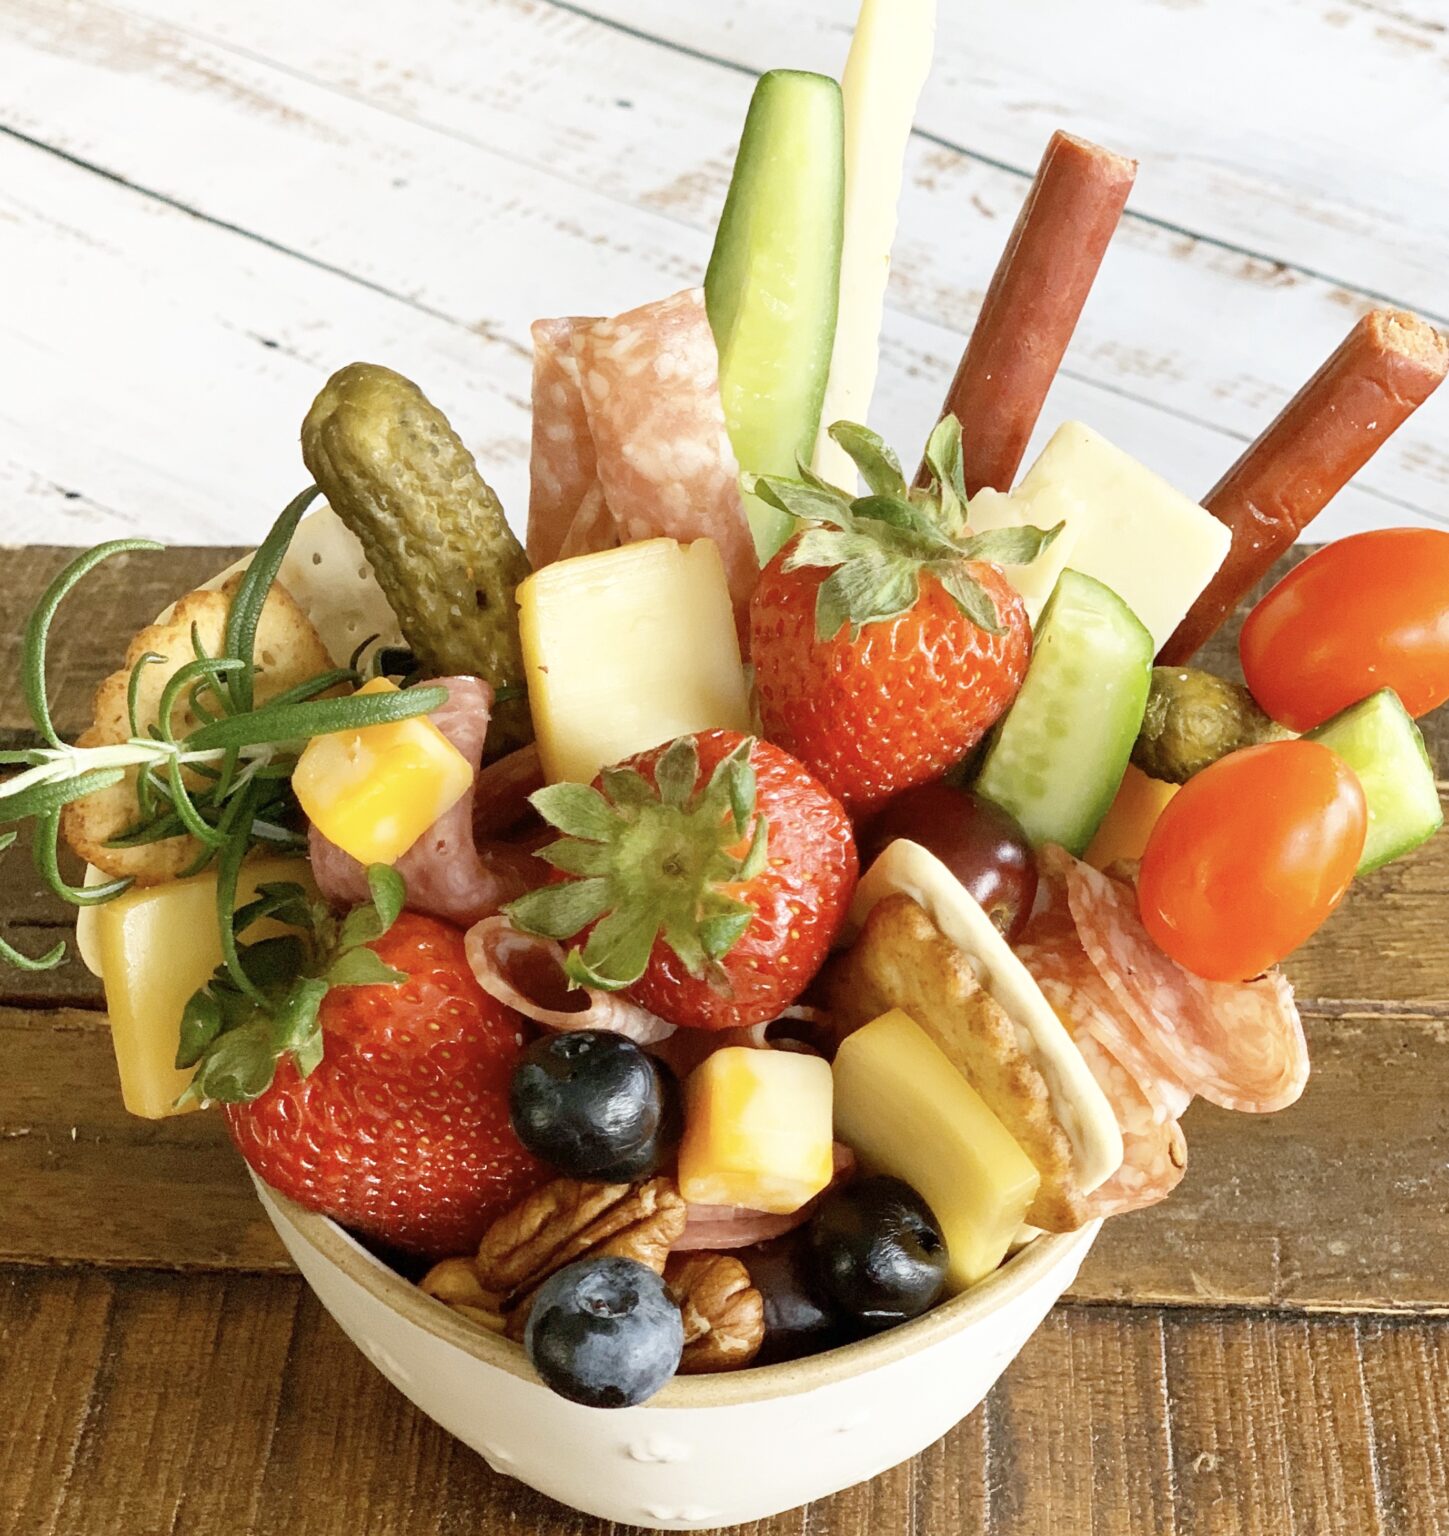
{"type": "Point", "coordinates": [443, 148]}
{"type": "Point", "coordinates": [208, 1404]}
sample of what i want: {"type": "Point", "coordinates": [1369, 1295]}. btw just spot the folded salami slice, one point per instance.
{"type": "Point", "coordinates": [1237, 1044]}
{"type": "Point", "coordinates": [449, 874]}
{"type": "Point", "coordinates": [718, 1227]}
{"type": "Point", "coordinates": [629, 439]}
{"type": "Point", "coordinates": [526, 974]}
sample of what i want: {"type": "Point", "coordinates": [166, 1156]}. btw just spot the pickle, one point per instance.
{"type": "Point", "coordinates": [396, 473]}
{"type": "Point", "coordinates": [1193, 718]}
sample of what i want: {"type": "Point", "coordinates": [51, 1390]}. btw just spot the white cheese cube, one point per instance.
{"type": "Point", "coordinates": [1135, 533]}
{"type": "Point", "coordinates": [994, 509]}
{"type": "Point", "coordinates": [628, 649]}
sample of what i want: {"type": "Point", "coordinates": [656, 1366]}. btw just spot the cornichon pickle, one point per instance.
{"type": "Point", "coordinates": [394, 470]}
{"type": "Point", "coordinates": [1193, 718]}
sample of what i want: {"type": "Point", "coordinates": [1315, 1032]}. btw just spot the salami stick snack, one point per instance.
{"type": "Point", "coordinates": [1033, 304]}
{"type": "Point", "coordinates": [1385, 369]}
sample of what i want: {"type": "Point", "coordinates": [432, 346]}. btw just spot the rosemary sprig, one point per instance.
{"type": "Point", "coordinates": [226, 783]}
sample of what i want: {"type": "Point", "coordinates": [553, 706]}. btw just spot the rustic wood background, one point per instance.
{"type": "Point", "coordinates": [205, 208]}
{"type": "Point", "coordinates": [1267, 1352]}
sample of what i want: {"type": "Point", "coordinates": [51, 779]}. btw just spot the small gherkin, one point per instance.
{"type": "Point", "coordinates": [397, 474]}
{"type": "Point", "coordinates": [1193, 718]}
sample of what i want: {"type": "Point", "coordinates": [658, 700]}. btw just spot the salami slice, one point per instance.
{"type": "Point", "coordinates": [562, 470]}
{"type": "Point", "coordinates": [449, 873]}
{"type": "Point", "coordinates": [735, 1226]}
{"type": "Point", "coordinates": [1237, 1044]}
{"type": "Point", "coordinates": [629, 439]}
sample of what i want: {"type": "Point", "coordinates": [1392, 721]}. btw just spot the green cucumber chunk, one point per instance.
{"type": "Point", "coordinates": [773, 286]}
{"type": "Point", "coordinates": [1380, 742]}
{"type": "Point", "coordinates": [1058, 756]}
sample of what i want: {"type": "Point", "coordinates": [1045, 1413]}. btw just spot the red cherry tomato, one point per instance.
{"type": "Point", "coordinates": [1368, 612]}
{"type": "Point", "coordinates": [1251, 856]}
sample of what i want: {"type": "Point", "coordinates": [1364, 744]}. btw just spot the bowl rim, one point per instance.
{"type": "Point", "coordinates": [1017, 1275]}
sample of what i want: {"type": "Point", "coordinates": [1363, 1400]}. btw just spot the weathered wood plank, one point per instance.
{"type": "Point", "coordinates": [613, 192]}
{"type": "Point", "coordinates": [206, 1404]}
{"type": "Point", "coordinates": [1341, 1202]}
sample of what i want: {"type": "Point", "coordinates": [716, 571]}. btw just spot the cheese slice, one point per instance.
{"type": "Point", "coordinates": [1085, 1115]}
{"type": "Point", "coordinates": [890, 57]}
{"type": "Point", "coordinates": [1126, 526]}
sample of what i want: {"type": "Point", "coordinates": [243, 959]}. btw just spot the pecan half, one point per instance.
{"type": "Point", "coordinates": [724, 1315]}
{"type": "Point", "coordinates": [569, 1220]}
{"type": "Point", "coordinates": [455, 1282]}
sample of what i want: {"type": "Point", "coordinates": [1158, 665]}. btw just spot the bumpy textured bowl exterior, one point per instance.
{"type": "Point", "coordinates": [709, 1450]}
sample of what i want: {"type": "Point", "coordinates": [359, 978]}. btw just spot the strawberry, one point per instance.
{"type": "Point", "coordinates": [710, 876]}
{"type": "Point", "coordinates": [885, 639]}
{"type": "Point", "coordinates": [401, 1130]}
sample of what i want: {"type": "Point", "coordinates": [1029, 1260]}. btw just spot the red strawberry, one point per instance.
{"type": "Point", "coordinates": [885, 642]}
{"type": "Point", "coordinates": [401, 1131]}
{"type": "Point", "coordinates": [714, 874]}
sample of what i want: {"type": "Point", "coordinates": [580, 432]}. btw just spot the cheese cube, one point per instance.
{"type": "Point", "coordinates": [908, 1112]}
{"type": "Point", "coordinates": [628, 649]}
{"type": "Point", "coordinates": [1124, 833]}
{"type": "Point", "coordinates": [1134, 532]}
{"type": "Point", "coordinates": [990, 510]}
{"type": "Point", "coordinates": [757, 1130]}
{"type": "Point", "coordinates": [156, 945]}
{"type": "Point", "coordinates": [374, 792]}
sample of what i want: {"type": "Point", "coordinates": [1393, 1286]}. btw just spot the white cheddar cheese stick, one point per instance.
{"type": "Point", "coordinates": [890, 57]}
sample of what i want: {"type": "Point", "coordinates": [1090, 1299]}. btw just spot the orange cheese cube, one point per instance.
{"type": "Point", "coordinates": [757, 1130]}
{"type": "Point", "coordinates": [374, 792]}
{"type": "Point", "coordinates": [1127, 826]}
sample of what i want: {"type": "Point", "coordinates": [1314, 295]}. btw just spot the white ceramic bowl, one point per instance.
{"type": "Point", "coordinates": [708, 1450]}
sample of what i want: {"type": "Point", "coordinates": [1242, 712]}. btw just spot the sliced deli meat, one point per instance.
{"type": "Point", "coordinates": [629, 439]}
{"type": "Point", "coordinates": [1237, 1044]}
{"type": "Point", "coordinates": [448, 872]}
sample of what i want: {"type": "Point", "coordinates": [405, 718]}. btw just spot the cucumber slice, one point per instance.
{"type": "Point", "coordinates": [1379, 741]}
{"type": "Point", "coordinates": [1057, 758]}
{"type": "Point", "coordinates": [773, 286]}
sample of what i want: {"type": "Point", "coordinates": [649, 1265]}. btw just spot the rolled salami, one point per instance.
{"type": "Point", "coordinates": [1384, 370]}
{"type": "Point", "coordinates": [1033, 304]}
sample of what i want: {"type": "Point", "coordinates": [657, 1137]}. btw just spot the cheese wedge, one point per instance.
{"type": "Point", "coordinates": [1081, 1108]}
{"type": "Point", "coordinates": [628, 649]}
{"type": "Point", "coordinates": [155, 946]}
{"type": "Point", "coordinates": [907, 1111]}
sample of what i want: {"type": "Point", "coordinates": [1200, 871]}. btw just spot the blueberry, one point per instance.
{"type": "Point", "coordinates": [594, 1106]}
{"type": "Point", "coordinates": [605, 1333]}
{"type": "Point", "coordinates": [797, 1321]}
{"type": "Point", "coordinates": [877, 1252]}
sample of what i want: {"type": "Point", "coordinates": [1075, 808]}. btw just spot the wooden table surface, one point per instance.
{"type": "Point", "coordinates": [1268, 1352]}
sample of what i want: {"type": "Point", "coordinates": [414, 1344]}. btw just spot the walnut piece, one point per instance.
{"type": "Point", "coordinates": [724, 1315]}
{"type": "Point", "coordinates": [568, 1220]}
{"type": "Point", "coordinates": [455, 1282]}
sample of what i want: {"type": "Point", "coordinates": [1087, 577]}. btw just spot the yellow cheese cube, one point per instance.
{"type": "Point", "coordinates": [1127, 826]}
{"type": "Point", "coordinates": [627, 649]}
{"type": "Point", "coordinates": [757, 1130]}
{"type": "Point", "coordinates": [908, 1112]}
{"type": "Point", "coordinates": [156, 945]}
{"type": "Point", "coordinates": [374, 792]}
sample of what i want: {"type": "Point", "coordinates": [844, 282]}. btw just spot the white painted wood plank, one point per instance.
{"type": "Point", "coordinates": [156, 373]}
{"type": "Point", "coordinates": [474, 232]}
{"type": "Point", "coordinates": [1314, 132]}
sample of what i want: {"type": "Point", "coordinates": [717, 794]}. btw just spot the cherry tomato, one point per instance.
{"type": "Point", "coordinates": [1251, 856]}
{"type": "Point", "coordinates": [1368, 612]}
{"type": "Point", "coordinates": [982, 845]}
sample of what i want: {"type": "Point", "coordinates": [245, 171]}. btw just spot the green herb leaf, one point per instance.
{"type": "Point", "coordinates": [878, 465]}
{"type": "Point", "coordinates": [274, 723]}
{"type": "Point", "coordinates": [245, 612]}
